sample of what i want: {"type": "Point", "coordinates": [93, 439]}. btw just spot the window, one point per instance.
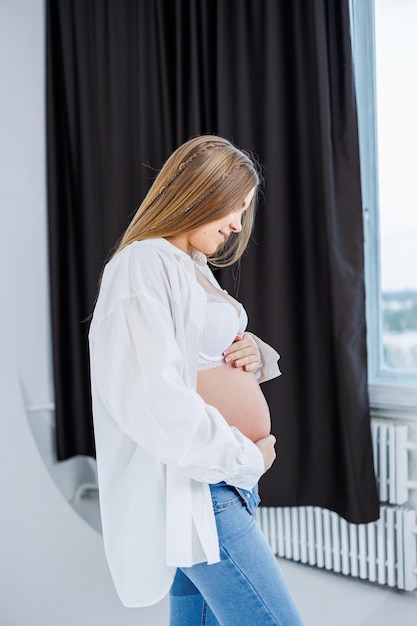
{"type": "Point", "coordinates": [385, 58]}
{"type": "Point", "coordinates": [396, 104]}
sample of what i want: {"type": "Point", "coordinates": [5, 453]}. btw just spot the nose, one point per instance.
{"type": "Point", "coordinates": [236, 222]}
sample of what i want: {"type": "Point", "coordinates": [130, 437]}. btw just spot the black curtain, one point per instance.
{"type": "Point", "coordinates": [129, 81]}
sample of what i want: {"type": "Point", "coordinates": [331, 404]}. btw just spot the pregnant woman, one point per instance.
{"type": "Point", "coordinates": [182, 428]}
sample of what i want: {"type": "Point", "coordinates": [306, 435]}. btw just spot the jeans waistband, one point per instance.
{"type": "Point", "coordinates": [250, 497]}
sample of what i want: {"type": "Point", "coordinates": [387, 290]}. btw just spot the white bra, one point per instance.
{"type": "Point", "coordinates": [221, 326]}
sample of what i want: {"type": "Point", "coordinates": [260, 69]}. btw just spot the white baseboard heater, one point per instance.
{"type": "Point", "coordinates": [383, 552]}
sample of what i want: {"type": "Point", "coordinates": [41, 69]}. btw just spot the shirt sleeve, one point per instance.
{"type": "Point", "coordinates": [137, 372]}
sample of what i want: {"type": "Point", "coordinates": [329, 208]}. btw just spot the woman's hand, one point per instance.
{"type": "Point", "coordinates": [243, 353]}
{"type": "Point", "coordinates": [267, 448]}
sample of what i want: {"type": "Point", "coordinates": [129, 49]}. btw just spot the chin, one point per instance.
{"type": "Point", "coordinates": [212, 250]}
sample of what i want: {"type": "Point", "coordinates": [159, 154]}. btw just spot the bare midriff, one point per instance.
{"type": "Point", "coordinates": [238, 397]}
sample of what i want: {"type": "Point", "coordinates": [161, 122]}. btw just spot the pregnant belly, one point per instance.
{"type": "Point", "coordinates": [238, 397]}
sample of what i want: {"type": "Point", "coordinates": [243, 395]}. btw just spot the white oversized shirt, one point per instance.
{"type": "Point", "coordinates": [158, 445]}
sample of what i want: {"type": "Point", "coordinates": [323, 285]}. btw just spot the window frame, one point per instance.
{"type": "Point", "coordinates": [392, 393]}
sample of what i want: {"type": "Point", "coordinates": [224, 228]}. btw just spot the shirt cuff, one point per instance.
{"type": "Point", "coordinates": [251, 462]}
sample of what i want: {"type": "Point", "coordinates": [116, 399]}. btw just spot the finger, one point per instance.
{"type": "Point", "coordinates": [249, 365]}
{"type": "Point", "coordinates": [236, 346]}
{"type": "Point", "coordinates": [242, 340]}
{"type": "Point", "coordinates": [242, 347]}
{"type": "Point", "coordinates": [246, 356]}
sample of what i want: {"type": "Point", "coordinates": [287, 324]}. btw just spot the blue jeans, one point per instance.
{"type": "Point", "coordinates": [246, 588]}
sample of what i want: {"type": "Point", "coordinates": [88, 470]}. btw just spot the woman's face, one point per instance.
{"type": "Point", "coordinates": [208, 238]}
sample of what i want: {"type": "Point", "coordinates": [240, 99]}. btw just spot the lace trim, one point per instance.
{"type": "Point", "coordinates": [201, 367]}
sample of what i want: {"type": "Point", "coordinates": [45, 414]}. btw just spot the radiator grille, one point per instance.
{"type": "Point", "coordinates": [389, 442]}
{"type": "Point", "coordinates": [384, 552]}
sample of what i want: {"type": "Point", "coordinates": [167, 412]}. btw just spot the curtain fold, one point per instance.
{"type": "Point", "coordinates": [128, 82]}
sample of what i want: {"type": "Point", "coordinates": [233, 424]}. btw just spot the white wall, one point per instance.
{"type": "Point", "coordinates": [52, 566]}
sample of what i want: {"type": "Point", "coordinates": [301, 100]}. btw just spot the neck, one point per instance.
{"type": "Point", "coordinates": [180, 241]}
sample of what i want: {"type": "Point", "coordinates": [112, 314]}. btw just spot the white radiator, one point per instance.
{"type": "Point", "coordinates": [391, 452]}
{"type": "Point", "coordinates": [384, 552]}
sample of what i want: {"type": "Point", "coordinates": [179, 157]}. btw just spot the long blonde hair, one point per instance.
{"type": "Point", "coordinates": [202, 181]}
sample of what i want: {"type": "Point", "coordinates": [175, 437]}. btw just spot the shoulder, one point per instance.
{"type": "Point", "coordinates": [146, 260]}
{"type": "Point", "coordinates": [153, 267]}
{"type": "Point", "coordinates": [158, 250]}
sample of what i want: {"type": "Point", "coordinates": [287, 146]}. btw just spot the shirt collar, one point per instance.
{"type": "Point", "coordinates": [192, 255]}
{"type": "Point", "coordinates": [195, 255]}
{"type": "Point", "coordinates": [198, 257]}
